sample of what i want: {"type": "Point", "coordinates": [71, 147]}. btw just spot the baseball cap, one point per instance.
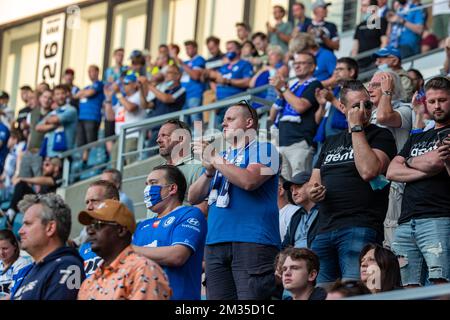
{"type": "Point", "coordinates": [111, 211]}
{"type": "Point", "coordinates": [135, 53]}
{"type": "Point", "coordinates": [319, 4]}
{"type": "Point", "coordinates": [4, 95]}
{"type": "Point", "coordinates": [387, 51]}
{"type": "Point", "coordinates": [129, 78]}
{"type": "Point", "coordinates": [299, 179]}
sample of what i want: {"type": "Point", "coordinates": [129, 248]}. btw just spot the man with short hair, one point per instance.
{"type": "Point", "coordinates": [302, 227]}
{"type": "Point", "coordinates": [285, 205]}
{"type": "Point", "coordinates": [325, 32]}
{"type": "Point", "coordinates": [390, 58]}
{"type": "Point", "coordinates": [124, 274]}
{"type": "Point", "coordinates": [280, 33]}
{"type": "Point", "coordinates": [175, 238]}
{"type": "Point", "coordinates": [59, 125]}
{"type": "Point", "coordinates": [6, 113]}
{"type": "Point", "coordinates": [300, 270]}
{"type": "Point", "coordinates": [90, 111]}
{"type": "Point", "coordinates": [348, 185]}
{"type": "Point", "coordinates": [303, 22]}
{"type": "Point", "coordinates": [294, 113]}
{"type": "Point", "coordinates": [192, 72]}
{"type": "Point", "coordinates": [243, 31]}
{"type": "Point", "coordinates": [261, 43]}
{"type": "Point", "coordinates": [424, 165]}
{"type": "Point", "coordinates": [116, 71]}
{"type": "Point", "coordinates": [25, 93]}
{"type": "Point", "coordinates": [68, 78]}
{"type": "Point", "coordinates": [115, 177]}
{"type": "Point", "coordinates": [215, 59]}
{"type": "Point", "coordinates": [57, 271]}
{"type": "Point", "coordinates": [243, 229]}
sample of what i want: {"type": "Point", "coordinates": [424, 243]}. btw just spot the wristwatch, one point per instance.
{"type": "Point", "coordinates": [283, 89]}
{"type": "Point", "coordinates": [357, 128]}
{"type": "Point", "coordinates": [387, 93]}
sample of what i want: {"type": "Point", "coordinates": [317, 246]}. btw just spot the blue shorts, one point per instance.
{"type": "Point", "coordinates": [423, 246]}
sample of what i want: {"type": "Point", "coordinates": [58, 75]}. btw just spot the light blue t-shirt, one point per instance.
{"type": "Point", "coordinates": [194, 88]}
{"type": "Point", "coordinates": [68, 118]}
{"type": "Point", "coordinates": [251, 216]}
{"type": "Point", "coordinates": [326, 63]}
{"type": "Point", "coordinates": [183, 226]}
{"type": "Point", "coordinates": [240, 70]}
{"type": "Point", "coordinates": [408, 37]}
{"type": "Point", "coordinates": [91, 108]}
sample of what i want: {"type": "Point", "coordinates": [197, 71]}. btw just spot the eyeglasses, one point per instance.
{"type": "Point", "coordinates": [97, 224]}
{"type": "Point", "coordinates": [374, 85]}
{"type": "Point", "coordinates": [367, 105]}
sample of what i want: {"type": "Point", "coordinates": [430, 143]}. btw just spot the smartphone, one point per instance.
{"type": "Point", "coordinates": [443, 135]}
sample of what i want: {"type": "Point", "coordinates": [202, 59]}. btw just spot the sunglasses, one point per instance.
{"type": "Point", "coordinates": [97, 224]}
{"type": "Point", "coordinates": [248, 106]}
{"type": "Point", "coordinates": [367, 105]}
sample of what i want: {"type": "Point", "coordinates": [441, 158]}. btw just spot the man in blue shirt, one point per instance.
{"type": "Point", "coordinates": [190, 80]}
{"type": "Point", "coordinates": [90, 110]}
{"type": "Point", "coordinates": [4, 137]}
{"type": "Point", "coordinates": [57, 272]}
{"type": "Point", "coordinates": [60, 124]}
{"type": "Point", "coordinates": [175, 238]}
{"type": "Point", "coordinates": [243, 229]}
{"type": "Point", "coordinates": [232, 78]}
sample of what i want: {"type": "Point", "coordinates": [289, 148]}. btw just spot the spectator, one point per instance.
{"type": "Point", "coordinates": [370, 34]}
{"type": "Point", "coordinates": [174, 51]}
{"type": "Point", "coordinates": [243, 32]}
{"type": "Point", "coordinates": [96, 194]}
{"type": "Point", "coordinates": [115, 177]}
{"type": "Point", "coordinates": [90, 115]}
{"type": "Point", "coordinates": [383, 8]}
{"type": "Point", "coordinates": [116, 71]}
{"type": "Point", "coordinates": [303, 22]}
{"type": "Point", "coordinates": [286, 206]}
{"type": "Point", "coordinates": [175, 238]}
{"type": "Point", "coordinates": [58, 270]}
{"type": "Point", "coordinates": [428, 41]}
{"type": "Point", "coordinates": [261, 44]}
{"type": "Point", "coordinates": [300, 270]}
{"type": "Point", "coordinates": [129, 109]}
{"type": "Point", "coordinates": [59, 125]}
{"type": "Point", "coordinates": [359, 156]}
{"type": "Point", "coordinates": [405, 28]}
{"type": "Point", "coordinates": [23, 118]}
{"type": "Point", "coordinates": [192, 72]}
{"type": "Point", "coordinates": [68, 78]}
{"type": "Point", "coordinates": [25, 94]}
{"type": "Point", "coordinates": [239, 256]}
{"type": "Point", "coordinates": [233, 77]}
{"type": "Point", "coordinates": [386, 94]}
{"type": "Point", "coordinates": [11, 261]}
{"type": "Point", "coordinates": [390, 58]}
{"type": "Point", "coordinates": [424, 165]}
{"type": "Point", "coordinates": [296, 108]}
{"type": "Point", "coordinates": [280, 33]}
{"type": "Point", "coordinates": [16, 146]}
{"type": "Point", "coordinates": [447, 57]}
{"type": "Point", "coordinates": [380, 270]}
{"type": "Point", "coordinates": [215, 55]}
{"type": "Point", "coordinates": [41, 87]}
{"type": "Point", "coordinates": [31, 163]}
{"type": "Point", "coordinates": [333, 121]}
{"type": "Point", "coordinates": [137, 66]}
{"type": "Point", "coordinates": [325, 33]}
{"type": "Point", "coordinates": [417, 81]}
{"type": "Point", "coordinates": [6, 113]}
{"type": "Point", "coordinates": [250, 54]}
{"type": "Point", "coordinates": [124, 274]}
{"type": "Point", "coordinates": [4, 150]}
{"type": "Point", "coordinates": [303, 224]}
{"type": "Point", "coordinates": [345, 289]}
{"type": "Point", "coordinates": [48, 182]}
{"type": "Point", "coordinates": [441, 16]}
{"type": "Point", "coordinates": [163, 61]}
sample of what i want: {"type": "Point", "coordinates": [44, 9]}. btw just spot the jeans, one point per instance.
{"type": "Point", "coordinates": [423, 245]}
{"type": "Point", "coordinates": [238, 270]}
{"type": "Point", "coordinates": [339, 250]}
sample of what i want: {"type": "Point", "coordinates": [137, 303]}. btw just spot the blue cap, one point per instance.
{"type": "Point", "coordinates": [130, 78]}
{"type": "Point", "coordinates": [387, 51]}
{"type": "Point", "coordinates": [135, 53]}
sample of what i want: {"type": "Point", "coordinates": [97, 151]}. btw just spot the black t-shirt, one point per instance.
{"type": "Point", "coordinates": [350, 201]}
{"type": "Point", "coordinates": [292, 132]}
{"type": "Point", "coordinates": [369, 39]}
{"type": "Point", "coordinates": [23, 113]}
{"type": "Point", "coordinates": [429, 197]}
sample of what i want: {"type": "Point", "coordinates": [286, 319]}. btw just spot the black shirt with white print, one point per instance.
{"type": "Point", "coordinates": [429, 197]}
{"type": "Point", "coordinates": [349, 200]}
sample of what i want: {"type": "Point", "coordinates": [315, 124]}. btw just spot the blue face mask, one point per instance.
{"type": "Point", "coordinates": [384, 67]}
{"type": "Point", "coordinates": [231, 55]}
{"type": "Point", "coordinates": [152, 195]}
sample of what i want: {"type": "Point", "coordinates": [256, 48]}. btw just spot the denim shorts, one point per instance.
{"type": "Point", "coordinates": [423, 246]}
{"type": "Point", "coordinates": [339, 250]}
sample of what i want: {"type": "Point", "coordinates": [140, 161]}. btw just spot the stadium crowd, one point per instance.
{"type": "Point", "coordinates": [353, 200]}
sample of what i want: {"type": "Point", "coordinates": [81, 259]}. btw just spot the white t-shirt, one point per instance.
{"type": "Point", "coordinates": [286, 214]}
{"type": "Point", "coordinates": [441, 7]}
{"type": "Point", "coordinates": [122, 116]}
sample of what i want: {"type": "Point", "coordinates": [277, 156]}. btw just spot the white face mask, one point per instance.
{"type": "Point", "coordinates": [384, 67]}
{"type": "Point", "coordinates": [169, 83]}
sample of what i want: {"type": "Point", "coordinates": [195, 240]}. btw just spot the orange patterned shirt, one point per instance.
{"type": "Point", "coordinates": [129, 277]}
